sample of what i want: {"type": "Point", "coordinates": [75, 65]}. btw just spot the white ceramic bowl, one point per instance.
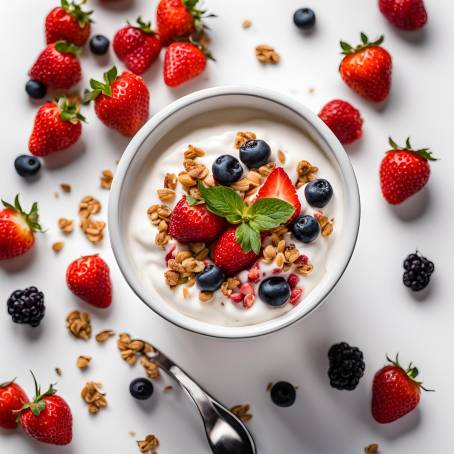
{"type": "Point", "coordinates": [140, 149]}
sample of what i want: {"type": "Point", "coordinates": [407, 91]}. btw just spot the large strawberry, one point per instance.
{"type": "Point", "coordinates": [178, 19]}
{"type": "Point", "coordinates": [121, 102]}
{"type": "Point", "coordinates": [367, 68]}
{"type": "Point", "coordinates": [278, 185]}
{"type": "Point", "coordinates": [395, 392]}
{"type": "Point", "coordinates": [47, 418]}
{"type": "Point", "coordinates": [57, 66]}
{"type": "Point", "coordinates": [68, 22]}
{"type": "Point", "coordinates": [229, 255]}
{"type": "Point", "coordinates": [404, 14]}
{"type": "Point", "coordinates": [57, 127]}
{"type": "Point", "coordinates": [183, 61]}
{"type": "Point", "coordinates": [138, 46]}
{"type": "Point", "coordinates": [17, 229]}
{"type": "Point", "coordinates": [89, 278]}
{"type": "Point", "coordinates": [194, 223]}
{"type": "Point", "coordinates": [12, 399]}
{"type": "Point", "coordinates": [404, 171]}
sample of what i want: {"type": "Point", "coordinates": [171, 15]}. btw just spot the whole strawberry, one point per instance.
{"type": "Point", "coordinates": [137, 46]}
{"type": "Point", "coordinates": [89, 278]}
{"type": "Point", "coordinates": [183, 61]}
{"type": "Point", "coordinates": [47, 418]}
{"type": "Point", "coordinates": [404, 171]}
{"type": "Point", "coordinates": [17, 229]}
{"type": "Point", "coordinates": [404, 14]}
{"type": "Point", "coordinates": [57, 66]}
{"type": "Point", "coordinates": [194, 223]}
{"type": "Point", "coordinates": [367, 68]}
{"type": "Point", "coordinates": [178, 19]}
{"type": "Point", "coordinates": [121, 102]}
{"type": "Point", "coordinates": [343, 119]}
{"type": "Point", "coordinates": [12, 399]}
{"type": "Point", "coordinates": [68, 22]}
{"type": "Point", "coordinates": [229, 256]}
{"type": "Point", "coordinates": [57, 127]}
{"type": "Point", "coordinates": [395, 392]}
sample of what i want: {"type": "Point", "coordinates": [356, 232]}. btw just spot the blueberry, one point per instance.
{"type": "Point", "coordinates": [306, 228]}
{"type": "Point", "coordinates": [26, 165]}
{"type": "Point", "coordinates": [227, 169]}
{"type": "Point", "coordinates": [141, 388]}
{"type": "Point", "coordinates": [274, 291]}
{"type": "Point", "coordinates": [304, 18]}
{"type": "Point", "coordinates": [210, 279]}
{"type": "Point", "coordinates": [255, 153]}
{"type": "Point", "coordinates": [318, 193]}
{"type": "Point", "coordinates": [283, 394]}
{"type": "Point", "coordinates": [35, 89]}
{"type": "Point", "coordinates": [99, 44]}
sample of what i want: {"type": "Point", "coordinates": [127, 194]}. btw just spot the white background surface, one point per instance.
{"type": "Point", "coordinates": [370, 308]}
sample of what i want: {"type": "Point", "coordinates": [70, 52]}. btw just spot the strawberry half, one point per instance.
{"type": "Point", "coordinates": [138, 46]}
{"type": "Point", "coordinates": [57, 127]}
{"type": "Point", "coordinates": [12, 399]}
{"type": "Point", "coordinates": [229, 255]}
{"type": "Point", "coordinates": [89, 278]}
{"type": "Point", "coordinates": [395, 392]}
{"type": "Point", "coordinates": [68, 22]}
{"type": "Point", "coordinates": [47, 418]}
{"type": "Point", "coordinates": [404, 172]}
{"type": "Point", "coordinates": [194, 223]}
{"type": "Point", "coordinates": [58, 66]}
{"type": "Point", "coordinates": [278, 185]}
{"type": "Point", "coordinates": [17, 229]}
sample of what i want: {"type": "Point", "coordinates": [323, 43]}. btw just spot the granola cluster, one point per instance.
{"type": "Point", "coordinates": [306, 173]}
{"type": "Point", "coordinates": [242, 412]}
{"type": "Point", "coordinates": [93, 229]}
{"type": "Point", "coordinates": [266, 54]}
{"type": "Point", "coordinates": [159, 216]}
{"type": "Point", "coordinates": [79, 324]}
{"type": "Point", "coordinates": [149, 444]}
{"type": "Point", "coordinates": [93, 397]}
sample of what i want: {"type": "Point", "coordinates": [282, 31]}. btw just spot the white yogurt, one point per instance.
{"type": "Point", "coordinates": [215, 134]}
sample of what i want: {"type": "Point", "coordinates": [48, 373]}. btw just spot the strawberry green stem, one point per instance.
{"type": "Point", "coordinates": [348, 49]}
{"type": "Point", "coordinates": [99, 88]}
{"type": "Point", "coordinates": [38, 404]}
{"type": "Point", "coordinates": [7, 383]}
{"type": "Point", "coordinates": [424, 153]}
{"type": "Point", "coordinates": [31, 218]}
{"type": "Point", "coordinates": [69, 111]}
{"type": "Point", "coordinates": [411, 372]}
{"type": "Point", "coordinates": [67, 47]}
{"type": "Point", "coordinates": [142, 25]}
{"type": "Point", "coordinates": [75, 9]}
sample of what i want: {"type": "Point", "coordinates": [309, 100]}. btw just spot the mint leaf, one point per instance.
{"type": "Point", "coordinates": [248, 238]}
{"type": "Point", "coordinates": [224, 202]}
{"type": "Point", "coordinates": [193, 201]}
{"type": "Point", "coordinates": [268, 213]}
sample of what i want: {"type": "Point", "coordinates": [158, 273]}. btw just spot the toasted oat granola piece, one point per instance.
{"type": "Point", "coordinates": [150, 367]}
{"type": "Point", "coordinates": [92, 229]}
{"type": "Point", "coordinates": [65, 187]}
{"type": "Point", "coordinates": [104, 335]}
{"type": "Point", "coordinates": [58, 246]}
{"type": "Point", "coordinates": [306, 173]}
{"type": "Point", "coordinates": [266, 54]}
{"type": "Point", "coordinates": [246, 24]}
{"type": "Point", "coordinates": [243, 136]}
{"type": "Point", "coordinates": [106, 179]}
{"type": "Point", "coordinates": [92, 395]}
{"type": "Point", "coordinates": [88, 206]}
{"type": "Point", "coordinates": [149, 444]}
{"type": "Point", "coordinates": [65, 225]}
{"type": "Point", "coordinates": [58, 371]}
{"type": "Point", "coordinates": [83, 361]}
{"type": "Point", "coordinates": [170, 181]}
{"type": "Point", "coordinates": [371, 449]}
{"type": "Point", "coordinates": [193, 152]}
{"type": "Point", "coordinates": [326, 224]}
{"type": "Point", "coordinates": [79, 325]}
{"type": "Point", "coordinates": [242, 412]}
{"type": "Point", "coordinates": [131, 349]}
{"type": "Point", "coordinates": [166, 195]}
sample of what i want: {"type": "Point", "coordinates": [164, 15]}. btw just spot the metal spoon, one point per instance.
{"type": "Point", "coordinates": [226, 434]}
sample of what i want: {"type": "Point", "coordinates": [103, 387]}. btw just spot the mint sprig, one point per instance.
{"type": "Point", "coordinates": [263, 214]}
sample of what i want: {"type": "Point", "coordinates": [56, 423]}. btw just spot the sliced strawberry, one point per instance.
{"type": "Point", "coordinates": [279, 185]}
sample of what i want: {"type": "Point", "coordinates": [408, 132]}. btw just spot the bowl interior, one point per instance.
{"type": "Point", "coordinates": [153, 137]}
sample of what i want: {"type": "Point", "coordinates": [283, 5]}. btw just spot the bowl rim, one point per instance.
{"type": "Point", "coordinates": [332, 143]}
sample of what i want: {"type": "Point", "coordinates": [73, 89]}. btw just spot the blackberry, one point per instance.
{"type": "Point", "coordinates": [346, 366]}
{"type": "Point", "coordinates": [417, 272]}
{"type": "Point", "coordinates": [27, 306]}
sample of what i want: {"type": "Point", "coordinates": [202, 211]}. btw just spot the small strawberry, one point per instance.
{"type": "Point", "coordinates": [404, 172]}
{"type": "Point", "coordinates": [68, 22]}
{"type": "Point", "coordinates": [278, 185]}
{"type": "Point", "coordinates": [17, 229]}
{"type": "Point", "coordinates": [183, 61]}
{"type": "Point", "coordinates": [367, 68]}
{"type": "Point", "coordinates": [89, 278]}
{"type": "Point", "coordinates": [229, 255]}
{"type": "Point", "coordinates": [404, 14]}
{"type": "Point", "coordinates": [395, 392]}
{"type": "Point", "coordinates": [57, 127]}
{"type": "Point", "coordinates": [343, 119]}
{"type": "Point", "coordinates": [137, 46]}
{"type": "Point", "coordinates": [47, 418]}
{"type": "Point", "coordinates": [194, 223]}
{"type": "Point", "coordinates": [12, 399]}
{"type": "Point", "coordinates": [121, 102]}
{"type": "Point", "coordinates": [178, 19]}
{"type": "Point", "coordinates": [57, 66]}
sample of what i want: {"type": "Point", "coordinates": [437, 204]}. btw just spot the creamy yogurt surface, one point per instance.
{"type": "Point", "coordinates": [215, 134]}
